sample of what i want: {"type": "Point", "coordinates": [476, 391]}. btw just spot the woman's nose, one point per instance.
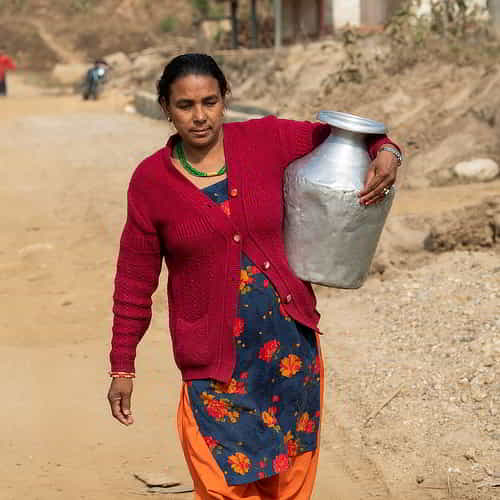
{"type": "Point", "coordinates": [199, 114]}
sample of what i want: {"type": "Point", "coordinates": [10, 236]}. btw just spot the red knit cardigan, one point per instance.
{"type": "Point", "coordinates": [170, 218]}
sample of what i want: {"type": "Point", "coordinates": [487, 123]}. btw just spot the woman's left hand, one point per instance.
{"type": "Point", "coordinates": [380, 177]}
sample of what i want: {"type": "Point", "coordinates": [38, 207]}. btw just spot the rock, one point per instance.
{"type": "Point", "coordinates": [148, 65]}
{"type": "Point", "coordinates": [444, 176]}
{"type": "Point", "coordinates": [477, 393]}
{"type": "Point", "coordinates": [146, 104]}
{"type": "Point", "coordinates": [119, 62]}
{"type": "Point", "coordinates": [479, 170]}
{"type": "Point", "coordinates": [69, 74]}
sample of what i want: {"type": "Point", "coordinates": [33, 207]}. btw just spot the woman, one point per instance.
{"type": "Point", "coordinates": [243, 326]}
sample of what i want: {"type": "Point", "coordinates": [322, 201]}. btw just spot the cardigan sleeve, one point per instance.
{"type": "Point", "coordinates": [137, 274]}
{"type": "Point", "coordinates": [298, 138]}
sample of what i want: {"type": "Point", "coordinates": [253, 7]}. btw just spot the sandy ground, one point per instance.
{"type": "Point", "coordinates": [66, 164]}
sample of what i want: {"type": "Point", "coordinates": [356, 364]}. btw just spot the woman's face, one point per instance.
{"type": "Point", "coordinates": [197, 109]}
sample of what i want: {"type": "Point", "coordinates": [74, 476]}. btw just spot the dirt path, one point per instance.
{"type": "Point", "coordinates": [66, 166]}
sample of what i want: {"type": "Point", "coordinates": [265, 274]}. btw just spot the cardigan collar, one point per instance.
{"type": "Point", "coordinates": [188, 189]}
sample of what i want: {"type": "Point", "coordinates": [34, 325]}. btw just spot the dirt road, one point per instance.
{"type": "Point", "coordinates": [66, 164]}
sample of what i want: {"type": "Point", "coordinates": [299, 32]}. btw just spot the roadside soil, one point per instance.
{"type": "Point", "coordinates": [425, 342]}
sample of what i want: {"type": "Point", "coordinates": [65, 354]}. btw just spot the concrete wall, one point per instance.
{"type": "Point", "coordinates": [346, 12]}
{"type": "Point", "coordinates": [356, 12]}
{"type": "Point", "coordinates": [146, 104]}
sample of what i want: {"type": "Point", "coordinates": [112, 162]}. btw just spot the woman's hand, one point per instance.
{"type": "Point", "coordinates": [380, 176]}
{"type": "Point", "coordinates": [119, 395]}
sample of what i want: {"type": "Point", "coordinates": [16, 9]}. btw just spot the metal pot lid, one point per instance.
{"type": "Point", "coordinates": [352, 123]}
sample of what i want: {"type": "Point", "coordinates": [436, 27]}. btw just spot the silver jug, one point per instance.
{"type": "Point", "coordinates": [330, 238]}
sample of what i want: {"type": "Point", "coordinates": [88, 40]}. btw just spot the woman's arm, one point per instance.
{"type": "Point", "coordinates": [137, 274]}
{"type": "Point", "coordinates": [299, 138]}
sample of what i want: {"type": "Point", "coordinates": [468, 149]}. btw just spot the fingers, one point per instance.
{"type": "Point", "coordinates": [377, 180]}
{"type": "Point", "coordinates": [125, 405]}
{"type": "Point", "coordinates": [119, 397]}
{"type": "Point", "coordinates": [116, 410]}
{"type": "Point", "coordinates": [376, 194]}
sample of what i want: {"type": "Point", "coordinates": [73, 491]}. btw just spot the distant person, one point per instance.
{"type": "Point", "coordinates": [243, 326]}
{"type": "Point", "coordinates": [95, 77]}
{"type": "Point", "coordinates": [6, 64]}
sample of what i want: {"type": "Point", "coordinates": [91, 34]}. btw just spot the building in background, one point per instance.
{"type": "Point", "coordinates": [361, 12]}
{"type": "Point", "coordinates": [311, 18]}
{"type": "Point", "coordinates": [299, 19]}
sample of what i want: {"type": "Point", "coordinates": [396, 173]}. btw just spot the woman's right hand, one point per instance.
{"type": "Point", "coordinates": [119, 396]}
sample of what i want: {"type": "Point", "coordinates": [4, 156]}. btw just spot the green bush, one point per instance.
{"type": "Point", "coordinates": [202, 6]}
{"type": "Point", "coordinates": [168, 24]}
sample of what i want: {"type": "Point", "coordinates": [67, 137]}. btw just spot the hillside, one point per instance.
{"type": "Point", "coordinates": [32, 30]}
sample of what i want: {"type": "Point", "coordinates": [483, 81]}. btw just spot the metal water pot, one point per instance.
{"type": "Point", "coordinates": [330, 238]}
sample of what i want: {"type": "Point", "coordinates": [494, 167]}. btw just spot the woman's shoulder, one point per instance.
{"type": "Point", "coordinates": [149, 169]}
{"type": "Point", "coordinates": [266, 122]}
{"type": "Point", "coordinates": [272, 122]}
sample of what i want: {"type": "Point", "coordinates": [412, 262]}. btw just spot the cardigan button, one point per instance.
{"type": "Point", "coordinates": [288, 299]}
{"type": "Point", "coordinates": [234, 193]}
{"type": "Point", "coordinates": [267, 264]}
{"type": "Point", "coordinates": [236, 237]}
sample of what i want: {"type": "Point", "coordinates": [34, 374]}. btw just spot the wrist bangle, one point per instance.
{"type": "Point", "coordinates": [122, 375]}
{"type": "Point", "coordinates": [394, 151]}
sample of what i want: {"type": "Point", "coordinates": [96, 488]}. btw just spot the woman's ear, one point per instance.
{"type": "Point", "coordinates": [164, 107]}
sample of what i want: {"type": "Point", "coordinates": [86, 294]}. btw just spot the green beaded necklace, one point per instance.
{"type": "Point", "coordinates": [181, 155]}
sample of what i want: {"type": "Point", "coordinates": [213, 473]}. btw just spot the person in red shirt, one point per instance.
{"type": "Point", "coordinates": [6, 64]}
{"type": "Point", "coordinates": [243, 325]}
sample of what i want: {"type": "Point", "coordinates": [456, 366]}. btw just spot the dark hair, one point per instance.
{"type": "Point", "coordinates": [189, 64]}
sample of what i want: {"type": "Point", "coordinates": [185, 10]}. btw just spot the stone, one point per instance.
{"type": "Point", "coordinates": [479, 170]}
{"type": "Point", "coordinates": [146, 104]}
{"type": "Point", "coordinates": [69, 74]}
{"type": "Point", "coordinates": [147, 66]}
{"type": "Point", "coordinates": [118, 61]}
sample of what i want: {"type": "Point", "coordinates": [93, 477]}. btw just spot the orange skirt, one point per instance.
{"type": "Point", "coordinates": [296, 483]}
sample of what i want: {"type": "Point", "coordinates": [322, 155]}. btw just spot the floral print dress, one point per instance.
{"type": "Point", "coordinates": [269, 412]}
